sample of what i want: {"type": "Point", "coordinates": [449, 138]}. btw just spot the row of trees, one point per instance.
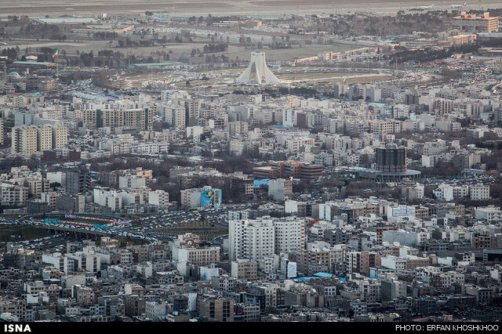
{"type": "Point", "coordinates": [426, 55]}
{"type": "Point", "coordinates": [357, 25]}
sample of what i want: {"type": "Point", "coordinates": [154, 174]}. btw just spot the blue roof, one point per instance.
{"type": "Point", "coordinates": [302, 279]}
{"type": "Point", "coordinates": [259, 183]}
{"type": "Point", "coordinates": [323, 275]}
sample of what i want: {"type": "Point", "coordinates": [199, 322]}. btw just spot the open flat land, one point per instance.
{"type": "Point", "coordinates": [219, 7]}
{"type": "Point", "coordinates": [178, 49]}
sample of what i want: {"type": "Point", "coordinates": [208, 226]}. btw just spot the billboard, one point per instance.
{"type": "Point", "coordinates": [210, 198]}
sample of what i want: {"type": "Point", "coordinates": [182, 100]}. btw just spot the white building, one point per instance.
{"type": "Point", "coordinates": [248, 238]}
{"type": "Point", "coordinates": [444, 192]}
{"type": "Point", "coordinates": [251, 239]}
{"type": "Point", "coordinates": [190, 198]}
{"type": "Point", "coordinates": [131, 182]}
{"type": "Point", "coordinates": [159, 198]}
{"type": "Point", "coordinates": [490, 213]}
{"type": "Point", "coordinates": [289, 235]}
{"type": "Point", "coordinates": [400, 211]}
{"type": "Point", "coordinates": [393, 262]}
{"type": "Point", "coordinates": [155, 310]}
{"type": "Point", "coordinates": [108, 198]}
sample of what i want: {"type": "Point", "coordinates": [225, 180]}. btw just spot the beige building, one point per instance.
{"type": "Point", "coordinates": [361, 262]}
{"type": "Point", "coordinates": [199, 256]}
{"type": "Point", "coordinates": [24, 140]}
{"type": "Point", "coordinates": [245, 269]}
{"type": "Point", "coordinates": [29, 139]}
{"type": "Point", "coordinates": [141, 119]}
{"type": "Point", "coordinates": [473, 23]}
{"type": "Point", "coordinates": [2, 134]}
{"type": "Point", "coordinates": [59, 137]}
{"type": "Point", "coordinates": [213, 309]}
{"type": "Point", "coordinates": [44, 138]}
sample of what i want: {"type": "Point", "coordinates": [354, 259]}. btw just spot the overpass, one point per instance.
{"type": "Point", "coordinates": [72, 232]}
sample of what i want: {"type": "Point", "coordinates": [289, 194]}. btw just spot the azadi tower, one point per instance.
{"type": "Point", "coordinates": [257, 71]}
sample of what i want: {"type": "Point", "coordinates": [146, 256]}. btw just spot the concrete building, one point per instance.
{"type": "Point", "coordinates": [480, 192]}
{"type": "Point", "coordinates": [280, 189]}
{"type": "Point", "coordinates": [76, 180]}
{"type": "Point", "coordinates": [30, 139]}
{"type": "Point", "coordinates": [251, 239]}
{"type": "Point", "coordinates": [24, 140]}
{"type": "Point", "coordinates": [243, 269]}
{"type": "Point", "coordinates": [248, 241]}
{"type": "Point", "coordinates": [59, 137]}
{"type": "Point", "coordinates": [140, 119]}
{"type": "Point", "coordinates": [44, 138]}
{"type": "Point", "coordinates": [489, 213]}
{"type": "Point", "coordinates": [155, 310]}
{"type": "Point", "coordinates": [476, 24]}
{"type": "Point", "coordinates": [205, 197]}
{"type": "Point", "coordinates": [215, 309]}
{"type": "Point", "coordinates": [199, 256]}
{"type": "Point", "coordinates": [159, 198]}
{"type": "Point", "coordinates": [289, 235]}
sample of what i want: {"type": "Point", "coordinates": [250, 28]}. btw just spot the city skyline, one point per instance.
{"type": "Point", "coordinates": [251, 162]}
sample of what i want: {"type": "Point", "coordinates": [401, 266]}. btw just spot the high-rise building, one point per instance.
{"type": "Point", "coordinates": [76, 181]}
{"type": "Point", "coordinates": [264, 237]}
{"type": "Point", "coordinates": [59, 137]}
{"type": "Point", "coordinates": [24, 140]}
{"type": "Point", "coordinates": [289, 235]}
{"type": "Point", "coordinates": [44, 138]}
{"type": "Point", "coordinates": [391, 159]}
{"type": "Point", "coordinates": [2, 134]}
{"type": "Point", "coordinates": [251, 239]}
{"type": "Point", "coordinates": [30, 139]}
{"type": "Point", "coordinates": [176, 117]}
